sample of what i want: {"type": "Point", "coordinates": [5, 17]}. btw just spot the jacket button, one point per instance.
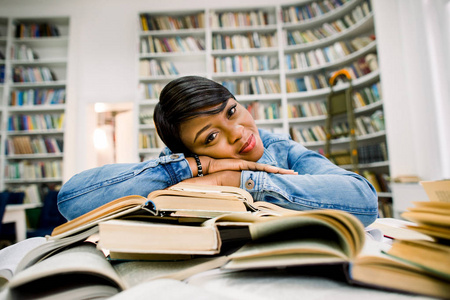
{"type": "Point", "coordinates": [174, 156]}
{"type": "Point", "coordinates": [249, 184]}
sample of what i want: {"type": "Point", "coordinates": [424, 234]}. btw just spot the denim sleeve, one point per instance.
{"type": "Point", "coordinates": [92, 188]}
{"type": "Point", "coordinates": [318, 185]}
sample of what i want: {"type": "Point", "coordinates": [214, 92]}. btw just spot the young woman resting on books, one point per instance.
{"type": "Point", "coordinates": [198, 118]}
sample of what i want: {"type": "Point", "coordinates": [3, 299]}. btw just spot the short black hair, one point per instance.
{"type": "Point", "coordinates": [185, 98]}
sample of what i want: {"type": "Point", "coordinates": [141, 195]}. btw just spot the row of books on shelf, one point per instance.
{"type": "Point", "coordinates": [36, 30]}
{"type": "Point", "coordinates": [363, 66]}
{"type": "Point", "coordinates": [241, 19]}
{"type": "Point", "coordinates": [367, 95]}
{"type": "Point", "coordinates": [23, 52]}
{"type": "Point", "coordinates": [37, 97]}
{"type": "Point", "coordinates": [372, 153]}
{"type": "Point", "coordinates": [307, 109]}
{"type": "Point", "coordinates": [367, 154]}
{"type": "Point", "coordinates": [151, 22]}
{"type": "Point", "coordinates": [30, 170]}
{"type": "Point", "coordinates": [326, 30]}
{"type": "Point", "coordinates": [153, 67]}
{"type": "Point", "coordinates": [370, 124]}
{"type": "Point", "coordinates": [36, 145]}
{"type": "Point", "coordinates": [146, 117]}
{"type": "Point", "coordinates": [263, 111]}
{"type": "Point", "coordinates": [31, 193]}
{"type": "Point", "coordinates": [362, 97]}
{"type": "Point", "coordinates": [251, 40]}
{"type": "Point", "coordinates": [150, 90]}
{"type": "Point", "coordinates": [317, 133]}
{"type": "Point", "coordinates": [35, 122]}
{"type": "Point", "coordinates": [253, 86]}
{"type": "Point", "coordinates": [385, 207]}
{"type": "Point", "coordinates": [33, 74]}
{"type": "Point", "coordinates": [299, 13]}
{"type": "Point", "coordinates": [321, 56]}
{"type": "Point", "coordinates": [149, 140]}
{"type": "Point", "coordinates": [150, 44]}
{"type": "Point", "coordinates": [380, 181]}
{"type": "Point", "coordinates": [244, 63]}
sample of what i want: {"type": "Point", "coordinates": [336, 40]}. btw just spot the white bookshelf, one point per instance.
{"type": "Point", "coordinates": [33, 101]}
{"type": "Point", "coordinates": [267, 64]}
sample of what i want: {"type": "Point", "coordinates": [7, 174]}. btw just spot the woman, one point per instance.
{"type": "Point", "coordinates": [213, 135]}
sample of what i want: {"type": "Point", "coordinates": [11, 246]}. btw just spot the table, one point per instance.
{"type": "Point", "coordinates": [16, 213]}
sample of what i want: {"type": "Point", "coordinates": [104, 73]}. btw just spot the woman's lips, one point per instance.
{"type": "Point", "coordinates": [249, 145]}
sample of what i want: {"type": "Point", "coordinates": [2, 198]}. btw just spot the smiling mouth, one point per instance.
{"type": "Point", "coordinates": [249, 145]}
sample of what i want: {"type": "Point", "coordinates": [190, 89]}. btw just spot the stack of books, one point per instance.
{"type": "Point", "coordinates": [187, 229]}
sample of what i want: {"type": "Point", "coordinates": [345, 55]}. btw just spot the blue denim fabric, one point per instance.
{"type": "Point", "coordinates": [319, 183]}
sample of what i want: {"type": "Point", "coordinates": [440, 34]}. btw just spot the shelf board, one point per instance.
{"type": "Point", "coordinates": [35, 132]}
{"type": "Point", "coordinates": [266, 73]}
{"type": "Point", "coordinates": [244, 29]}
{"type": "Point", "coordinates": [180, 32]}
{"type": "Point", "coordinates": [174, 55]}
{"type": "Point", "coordinates": [35, 108]}
{"type": "Point", "coordinates": [247, 51]}
{"type": "Point", "coordinates": [48, 62]}
{"type": "Point", "coordinates": [46, 84]}
{"type": "Point", "coordinates": [56, 41]}
{"type": "Point", "coordinates": [34, 156]}
{"type": "Point", "coordinates": [259, 97]}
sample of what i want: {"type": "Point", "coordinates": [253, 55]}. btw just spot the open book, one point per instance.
{"type": "Point", "coordinates": [417, 263]}
{"type": "Point", "coordinates": [82, 272]}
{"type": "Point", "coordinates": [192, 202]}
{"type": "Point", "coordinates": [327, 235]}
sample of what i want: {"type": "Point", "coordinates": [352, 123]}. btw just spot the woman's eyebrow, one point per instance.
{"type": "Point", "coordinates": [201, 130]}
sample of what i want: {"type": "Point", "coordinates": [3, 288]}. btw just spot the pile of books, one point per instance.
{"type": "Point", "coordinates": [187, 229]}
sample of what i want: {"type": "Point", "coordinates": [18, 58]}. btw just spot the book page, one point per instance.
{"type": "Point", "coordinates": [83, 264]}
{"type": "Point", "coordinates": [12, 255]}
{"type": "Point", "coordinates": [136, 272]}
{"type": "Point", "coordinates": [437, 190]}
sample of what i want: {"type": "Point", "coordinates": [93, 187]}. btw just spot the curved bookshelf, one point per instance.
{"type": "Point", "coordinates": [326, 17]}
{"type": "Point", "coordinates": [219, 61]}
{"type": "Point", "coordinates": [340, 62]}
{"type": "Point", "coordinates": [361, 27]}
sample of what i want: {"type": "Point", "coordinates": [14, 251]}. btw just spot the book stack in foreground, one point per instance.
{"type": "Point", "coordinates": [190, 229]}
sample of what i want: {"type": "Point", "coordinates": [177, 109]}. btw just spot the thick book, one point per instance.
{"type": "Point", "coordinates": [198, 202]}
{"type": "Point", "coordinates": [338, 232]}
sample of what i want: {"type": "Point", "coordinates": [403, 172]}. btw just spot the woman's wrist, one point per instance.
{"type": "Point", "coordinates": [199, 166]}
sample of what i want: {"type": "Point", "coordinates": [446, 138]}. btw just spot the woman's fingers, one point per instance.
{"type": "Point", "coordinates": [266, 168]}
{"type": "Point", "coordinates": [218, 165]}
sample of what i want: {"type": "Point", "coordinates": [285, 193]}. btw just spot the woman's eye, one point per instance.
{"type": "Point", "coordinates": [210, 138]}
{"type": "Point", "coordinates": [232, 111]}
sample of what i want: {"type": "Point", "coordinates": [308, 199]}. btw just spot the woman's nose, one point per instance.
{"type": "Point", "coordinates": [235, 133]}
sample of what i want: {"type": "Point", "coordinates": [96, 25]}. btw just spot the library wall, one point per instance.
{"type": "Point", "coordinates": [103, 68]}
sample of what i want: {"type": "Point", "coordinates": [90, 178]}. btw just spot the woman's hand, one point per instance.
{"type": "Point", "coordinates": [212, 165]}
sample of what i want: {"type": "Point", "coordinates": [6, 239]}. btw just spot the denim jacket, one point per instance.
{"type": "Point", "coordinates": [319, 184]}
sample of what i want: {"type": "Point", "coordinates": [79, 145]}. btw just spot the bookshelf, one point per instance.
{"type": "Point", "coordinates": [277, 61]}
{"type": "Point", "coordinates": [33, 104]}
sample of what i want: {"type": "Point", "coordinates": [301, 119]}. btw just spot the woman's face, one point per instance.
{"type": "Point", "coordinates": [232, 133]}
